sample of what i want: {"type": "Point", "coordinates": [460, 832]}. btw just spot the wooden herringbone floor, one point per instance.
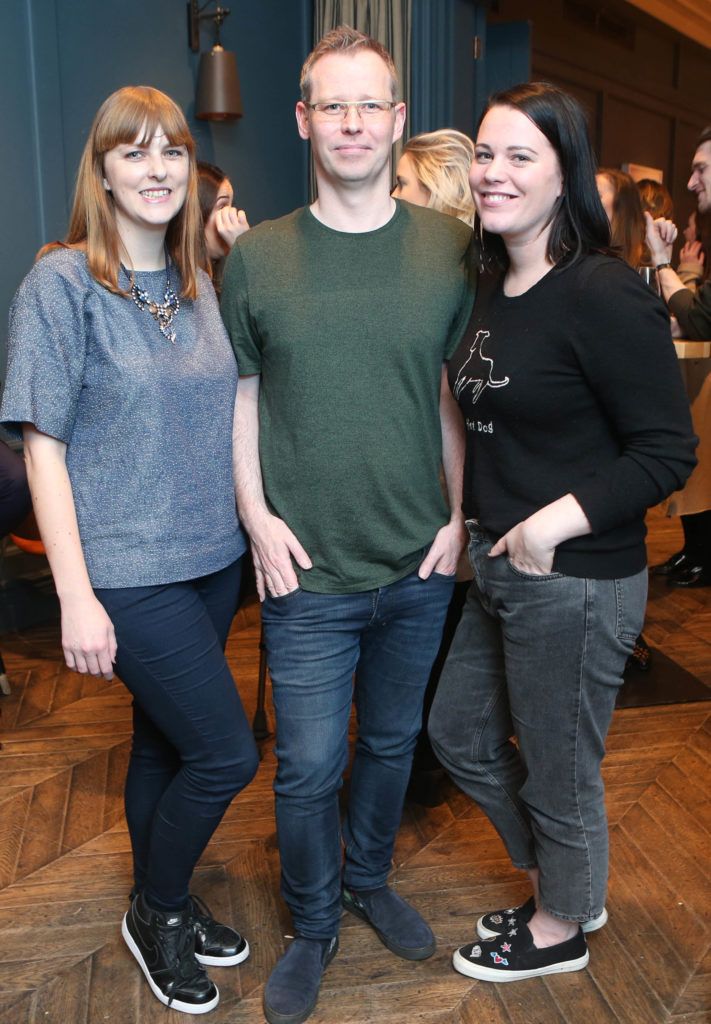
{"type": "Point", "coordinates": [65, 865]}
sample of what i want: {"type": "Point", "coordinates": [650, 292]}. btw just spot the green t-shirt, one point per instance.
{"type": "Point", "coordinates": [349, 333]}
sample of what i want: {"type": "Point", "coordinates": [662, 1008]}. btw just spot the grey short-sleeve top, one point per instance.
{"type": "Point", "coordinates": [147, 423]}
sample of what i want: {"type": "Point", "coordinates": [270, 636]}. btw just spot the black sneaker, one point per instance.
{"type": "Point", "coordinates": [291, 993]}
{"type": "Point", "coordinates": [395, 922]}
{"type": "Point", "coordinates": [216, 945]}
{"type": "Point", "coordinates": [516, 958]}
{"type": "Point", "coordinates": [163, 943]}
{"type": "Point", "coordinates": [505, 922]}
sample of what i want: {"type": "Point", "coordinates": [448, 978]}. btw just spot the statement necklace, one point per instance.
{"type": "Point", "coordinates": [162, 312]}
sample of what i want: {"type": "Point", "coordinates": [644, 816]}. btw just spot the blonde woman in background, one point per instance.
{"type": "Point", "coordinates": [433, 171]}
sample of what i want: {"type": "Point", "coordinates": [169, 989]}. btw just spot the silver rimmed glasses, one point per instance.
{"type": "Point", "coordinates": [338, 109]}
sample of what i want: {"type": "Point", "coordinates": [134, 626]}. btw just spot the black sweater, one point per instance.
{"type": "Point", "coordinates": [693, 311]}
{"type": "Point", "coordinates": [573, 386]}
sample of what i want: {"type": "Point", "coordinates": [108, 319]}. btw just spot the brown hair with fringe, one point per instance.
{"type": "Point", "coordinates": [132, 114]}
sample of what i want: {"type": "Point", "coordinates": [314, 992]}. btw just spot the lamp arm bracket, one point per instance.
{"type": "Point", "coordinates": [196, 15]}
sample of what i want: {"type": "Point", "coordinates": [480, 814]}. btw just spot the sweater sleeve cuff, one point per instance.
{"type": "Point", "coordinates": [680, 303]}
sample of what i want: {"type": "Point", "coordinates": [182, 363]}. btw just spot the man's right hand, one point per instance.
{"type": "Point", "coordinates": [273, 547]}
{"type": "Point", "coordinates": [661, 235]}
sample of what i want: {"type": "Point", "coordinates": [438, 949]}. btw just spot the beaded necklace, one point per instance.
{"type": "Point", "coordinates": [162, 312]}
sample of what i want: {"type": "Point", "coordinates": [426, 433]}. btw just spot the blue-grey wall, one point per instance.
{"type": "Point", "coordinates": [449, 85]}
{"type": "Point", "coordinates": [59, 59]}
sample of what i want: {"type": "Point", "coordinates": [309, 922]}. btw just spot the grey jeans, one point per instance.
{"type": "Point", "coordinates": [539, 658]}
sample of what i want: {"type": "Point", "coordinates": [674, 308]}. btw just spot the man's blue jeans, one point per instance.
{"type": "Point", "coordinates": [389, 638]}
{"type": "Point", "coordinates": [541, 658]}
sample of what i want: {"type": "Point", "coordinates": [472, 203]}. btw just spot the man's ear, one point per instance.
{"type": "Point", "coordinates": [400, 114]}
{"type": "Point", "coordinates": [302, 120]}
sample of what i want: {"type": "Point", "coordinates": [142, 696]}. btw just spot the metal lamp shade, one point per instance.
{"type": "Point", "coordinates": [218, 95]}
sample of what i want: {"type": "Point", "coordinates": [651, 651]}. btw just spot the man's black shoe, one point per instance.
{"type": "Point", "coordinates": [675, 563]}
{"type": "Point", "coordinates": [291, 993]}
{"type": "Point", "coordinates": [694, 576]}
{"type": "Point", "coordinates": [216, 945]}
{"type": "Point", "coordinates": [398, 925]}
{"type": "Point", "coordinates": [163, 943]}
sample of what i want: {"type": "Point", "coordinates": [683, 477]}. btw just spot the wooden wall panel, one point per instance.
{"type": "Point", "coordinates": [637, 134]}
{"type": "Point", "coordinates": [646, 90]}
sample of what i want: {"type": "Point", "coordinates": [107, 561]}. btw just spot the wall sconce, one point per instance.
{"type": "Point", "coordinates": [217, 97]}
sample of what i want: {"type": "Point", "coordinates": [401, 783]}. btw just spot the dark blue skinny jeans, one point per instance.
{"type": "Point", "coordinates": [316, 642]}
{"type": "Point", "coordinates": [193, 749]}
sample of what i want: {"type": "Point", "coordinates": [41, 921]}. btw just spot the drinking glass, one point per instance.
{"type": "Point", "coordinates": [651, 278]}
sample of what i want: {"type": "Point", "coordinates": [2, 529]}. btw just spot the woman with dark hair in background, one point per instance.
{"type": "Point", "coordinates": [223, 222]}
{"type": "Point", "coordinates": [122, 379]}
{"type": "Point", "coordinates": [622, 203]}
{"type": "Point", "coordinates": [576, 423]}
{"type": "Point", "coordinates": [694, 263]}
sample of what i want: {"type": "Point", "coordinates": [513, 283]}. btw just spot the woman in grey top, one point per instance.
{"type": "Point", "coordinates": [123, 382]}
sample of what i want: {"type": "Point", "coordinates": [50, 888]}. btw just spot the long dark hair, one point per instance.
{"type": "Point", "coordinates": [210, 177]}
{"type": "Point", "coordinates": [627, 224]}
{"type": "Point", "coordinates": [579, 224]}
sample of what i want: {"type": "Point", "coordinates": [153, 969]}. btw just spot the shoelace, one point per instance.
{"type": "Point", "coordinates": [179, 944]}
{"type": "Point", "coordinates": [201, 913]}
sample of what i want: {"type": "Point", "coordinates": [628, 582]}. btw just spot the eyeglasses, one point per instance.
{"type": "Point", "coordinates": [338, 109]}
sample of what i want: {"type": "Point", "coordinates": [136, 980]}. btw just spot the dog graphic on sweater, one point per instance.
{"type": "Point", "coordinates": [477, 371]}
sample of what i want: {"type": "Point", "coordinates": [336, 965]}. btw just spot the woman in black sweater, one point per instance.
{"type": "Point", "coordinates": [576, 423]}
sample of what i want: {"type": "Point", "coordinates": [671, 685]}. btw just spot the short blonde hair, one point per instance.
{"type": "Point", "coordinates": [126, 114]}
{"type": "Point", "coordinates": [345, 39]}
{"type": "Point", "coordinates": [441, 162]}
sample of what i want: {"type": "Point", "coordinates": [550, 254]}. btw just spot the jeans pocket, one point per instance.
{"type": "Point", "coordinates": [631, 601]}
{"type": "Point", "coordinates": [533, 576]}
{"type": "Point", "coordinates": [282, 598]}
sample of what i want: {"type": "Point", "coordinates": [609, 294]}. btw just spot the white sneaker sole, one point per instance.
{"type": "Point", "coordinates": [483, 973]}
{"type": "Point", "coordinates": [175, 1004]}
{"type": "Point", "coordinates": [597, 922]}
{"type": "Point", "coordinates": [224, 961]}
{"type": "Point", "coordinates": [589, 926]}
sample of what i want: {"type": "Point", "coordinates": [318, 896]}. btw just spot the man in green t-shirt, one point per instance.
{"type": "Point", "coordinates": [342, 316]}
